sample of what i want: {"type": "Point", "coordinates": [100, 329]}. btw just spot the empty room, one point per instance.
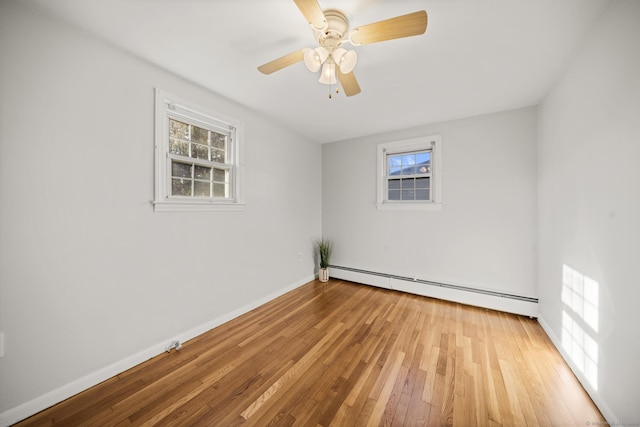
{"type": "Point", "coordinates": [319, 212]}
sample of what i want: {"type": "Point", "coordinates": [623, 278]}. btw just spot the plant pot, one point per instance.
{"type": "Point", "coordinates": [323, 275]}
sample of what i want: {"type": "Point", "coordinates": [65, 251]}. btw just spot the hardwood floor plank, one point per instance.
{"type": "Point", "coordinates": [388, 380]}
{"type": "Point", "coordinates": [344, 354]}
{"type": "Point", "coordinates": [428, 391]}
{"type": "Point", "coordinates": [417, 412]}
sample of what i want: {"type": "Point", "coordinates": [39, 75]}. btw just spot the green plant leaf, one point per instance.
{"type": "Point", "coordinates": [325, 247]}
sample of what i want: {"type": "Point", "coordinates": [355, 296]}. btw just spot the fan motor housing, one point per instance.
{"type": "Point", "coordinates": [337, 26]}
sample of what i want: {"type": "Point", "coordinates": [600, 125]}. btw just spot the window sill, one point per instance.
{"type": "Point", "coordinates": [409, 206]}
{"type": "Point", "coordinates": [195, 206]}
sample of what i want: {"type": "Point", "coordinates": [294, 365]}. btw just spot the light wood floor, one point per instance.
{"type": "Point", "coordinates": [346, 355]}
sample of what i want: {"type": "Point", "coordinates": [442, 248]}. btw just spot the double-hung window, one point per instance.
{"type": "Point", "coordinates": [197, 158]}
{"type": "Point", "coordinates": [409, 174]}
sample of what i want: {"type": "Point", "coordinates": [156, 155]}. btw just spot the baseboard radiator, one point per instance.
{"type": "Point", "coordinates": [511, 303]}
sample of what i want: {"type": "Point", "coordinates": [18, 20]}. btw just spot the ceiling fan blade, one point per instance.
{"type": "Point", "coordinates": [348, 82]}
{"type": "Point", "coordinates": [409, 25]}
{"type": "Point", "coordinates": [282, 62]}
{"type": "Point", "coordinates": [313, 13]}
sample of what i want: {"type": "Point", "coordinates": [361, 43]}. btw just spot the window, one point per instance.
{"type": "Point", "coordinates": [197, 158]}
{"type": "Point", "coordinates": [409, 174]}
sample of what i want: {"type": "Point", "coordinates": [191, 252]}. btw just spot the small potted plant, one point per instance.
{"type": "Point", "coordinates": [324, 253]}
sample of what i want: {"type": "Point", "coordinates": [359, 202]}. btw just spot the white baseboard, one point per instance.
{"type": "Point", "coordinates": [462, 294]}
{"type": "Point", "coordinates": [46, 400]}
{"type": "Point", "coordinates": [597, 399]}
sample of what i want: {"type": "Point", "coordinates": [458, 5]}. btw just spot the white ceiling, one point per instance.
{"type": "Point", "coordinates": [476, 57]}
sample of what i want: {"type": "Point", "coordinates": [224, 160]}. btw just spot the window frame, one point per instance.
{"type": "Point", "coordinates": [168, 107]}
{"type": "Point", "coordinates": [430, 143]}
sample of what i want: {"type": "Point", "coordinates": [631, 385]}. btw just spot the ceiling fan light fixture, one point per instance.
{"type": "Point", "coordinates": [328, 74]}
{"type": "Point", "coordinates": [331, 30]}
{"type": "Point", "coordinates": [314, 58]}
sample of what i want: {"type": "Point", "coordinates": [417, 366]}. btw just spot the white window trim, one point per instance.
{"type": "Point", "coordinates": [166, 104]}
{"type": "Point", "coordinates": [432, 143]}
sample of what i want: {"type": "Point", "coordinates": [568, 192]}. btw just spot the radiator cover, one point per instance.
{"type": "Point", "coordinates": [496, 300]}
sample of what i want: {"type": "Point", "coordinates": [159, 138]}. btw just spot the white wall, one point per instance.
{"type": "Point", "coordinates": [485, 234]}
{"type": "Point", "coordinates": [589, 200]}
{"type": "Point", "coordinates": [89, 274]}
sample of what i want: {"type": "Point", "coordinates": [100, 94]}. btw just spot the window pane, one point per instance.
{"type": "Point", "coordinates": [181, 187]}
{"type": "Point", "coordinates": [408, 194]}
{"type": "Point", "coordinates": [422, 158]}
{"type": "Point", "coordinates": [178, 129]}
{"type": "Point", "coordinates": [220, 175]}
{"type": "Point", "coordinates": [217, 155]}
{"type": "Point", "coordinates": [423, 162]}
{"type": "Point", "coordinates": [408, 162]}
{"type": "Point", "coordinates": [199, 135]}
{"type": "Point", "coordinates": [219, 190]}
{"type": "Point", "coordinates": [395, 161]}
{"type": "Point", "coordinates": [408, 170]}
{"type": "Point", "coordinates": [395, 171]}
{"type": "Point", "coordinates": [422, 194]}
{"type": "Point", "coordinates": [394, 184]}
{"type": "Point", "coordinates": [408, 188]}
{"type": "Point", "coordinates": [178, 147]}
{"type": "Point", "coordinates": [394, 194]}
{"type": "Point", "coordinates": [182, 170]}
{"type": "Point", "coordinates": [408, 159]}
{"type": "Point", "coordinates": [218, 140]}
{"type": "Point", "coordinates": [422, 182]}
{"type": "Point", "coordinates": [201, 189]}
{"type": "Point", "coordinates": [202, 172]}
{"type": "Point", "coordinates": [408, 183]}
{"type": "Point", "coordinates": [200, 151]}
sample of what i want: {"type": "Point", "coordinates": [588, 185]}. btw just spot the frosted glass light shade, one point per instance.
{"type": "Point", "coordinates": [314, 58]}
{"type": "Point", "coordinates": [348, 62]}
{"type": "Point", "coordinates": [346, 59]}
{"type": "Point", "coordinates": [328, 75]}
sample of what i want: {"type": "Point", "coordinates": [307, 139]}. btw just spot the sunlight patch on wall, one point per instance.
{"type": "Point", "coordinates": [580, 296]}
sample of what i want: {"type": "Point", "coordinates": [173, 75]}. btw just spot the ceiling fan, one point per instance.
{"type": "Point", "coordinates": [331, 30]}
